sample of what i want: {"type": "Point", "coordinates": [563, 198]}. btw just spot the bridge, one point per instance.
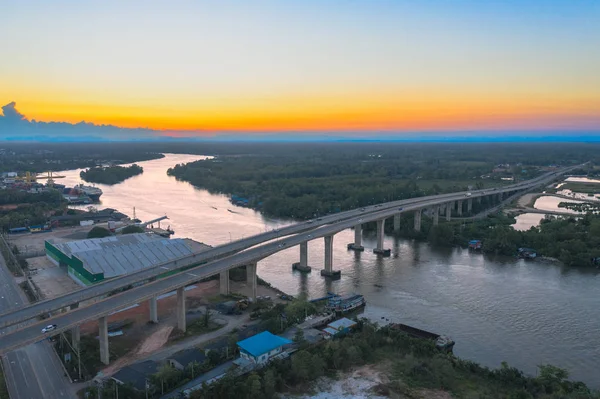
{"type": "Point", "coordinates": [219, 260]}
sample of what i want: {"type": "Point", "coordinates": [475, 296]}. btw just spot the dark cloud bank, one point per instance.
{"type": "Point", "coordinates": [15, 126]}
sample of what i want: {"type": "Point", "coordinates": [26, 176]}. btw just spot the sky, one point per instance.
{"type": "Point", "coordinates": [307, 67]}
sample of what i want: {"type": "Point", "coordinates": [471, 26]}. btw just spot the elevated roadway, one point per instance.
{"type": "Point", "coordinates": [32, 333]}
{"type": "Point", "coordinates": [47, 307]}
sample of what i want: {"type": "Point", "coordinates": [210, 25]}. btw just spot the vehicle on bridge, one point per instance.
{"type": "Point", "coordinates": [48, 328]}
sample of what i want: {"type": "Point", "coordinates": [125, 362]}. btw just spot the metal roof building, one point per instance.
{"type": "Point", "coordinates": [93, 260]}
{"type": "Point", "coordinates": [260, 347]}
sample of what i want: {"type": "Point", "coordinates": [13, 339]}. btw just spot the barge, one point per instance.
{"type": "Point", "coordinates": [344, 304]}
{"type": "Point", "coordinates": [442, 342]}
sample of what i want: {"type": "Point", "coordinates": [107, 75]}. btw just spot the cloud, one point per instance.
{"type": "Point", "coordinates": [15, 126]}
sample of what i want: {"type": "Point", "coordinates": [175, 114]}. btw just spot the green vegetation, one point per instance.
{"type": "Point", "coordinates": [22, 209]}
{"type": "Point", "coordinates": [132, 229]}
{"type": "Point", "coordinates": [575, 242]}
{"type": "Point", "coordinates": [98, 232]}
{"type": "Point", "coordinates": [410, 364]}
{"type": "Point", "coordinates": [580, 207]}
{"type": "Point", "coordinates": [3, 387]}
{"type": "Point", "coordinates": [203, 325]}
{"type": "Point", "coordinates": [578, 187]}
{"type": "Point", "coordinates": [307, 180]}
{"type": "Point", "coordinates": [110, 174]}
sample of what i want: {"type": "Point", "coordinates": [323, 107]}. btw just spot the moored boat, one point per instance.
{"type": "Point", "coordinates": [347, 303]}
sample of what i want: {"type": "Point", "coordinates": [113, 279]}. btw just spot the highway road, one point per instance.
{"type": "Point", "coordinates": [32, 333]}
{"type": "Point", "coordinates": [32, 372]}
{"type": "Point", "coordinates": [48, 306]}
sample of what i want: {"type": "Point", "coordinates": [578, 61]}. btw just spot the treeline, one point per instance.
{"type": "Point", "coordinates": [411, 364]}
{"type": "Point", "coordinates": [573, 241]}
{"type": "Point", "coordinates": [110, 174]}
{"type": "Point", "coordinates": [31, 209]}
{"type": "Point", "coordinates": [42, 157]}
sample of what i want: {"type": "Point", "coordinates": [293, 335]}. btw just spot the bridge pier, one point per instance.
{"type": "Point", "coordinates": [469, 204]}
{"type": "Point", "coordinates": [449, 206]}
{"type": "Point", "coordinates": [436, 215]}
{"type": "Point", "coordinates": [418, 214]}
{"type": "Point", "coordinates": [357, 244]}
{"type": "Point", "coordinates": [251, 278]}
{"type": "Point", "coordinates": [380, 236]}
{"type": "Point", "coordinates": [303, 264]}
{"type": "Point", "coordinates": [153, 309]}
{"type": "Point", "coordinates": [397, 223]}
{"type": "Point", "coordinates": [103, 335]}
{"type": "Point", "coordinates": [224, 282]}
{"type": "Point", "coordinates": [328, 270]}
{"type": "Point", "coordinates": [459, 206]}
{"type": "Point", "coordinates": [75, 337]}
{"type": "Point", "coordinates": [181, 322]}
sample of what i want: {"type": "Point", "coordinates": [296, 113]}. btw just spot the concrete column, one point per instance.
{"type": "Point", "coordinates": [328, 270]}
{"type": "Point", "coordinates": [469, 204]}
{"type": "Point", "coordinates": [396, 223]}
{"type": "Point", "coordinates": [459, 205]}
{"type": "Point", "coordinates": [181, 322]}
{"type": "Point", "coordinates": [75, 337]}
{"type": "Point", "coordinates": [380, 236]}
{"type": "Point", "coordinates": [153, 309]}
{"type": "Point", "coordinates": [357, 244]}
{"type": "Point", "coordinates": [418, 219]}
{"type": "Point", "coordinates": [449, 211]}
{"type": "Point", "coordinates": [103, 335]}
{"type": "Point", "coordinates": [224, 282]}
{"type": "Point", "coordinates": [436, 215]}
{"type": "Point", "coordinates": [303, 264]}
{"type": "Point", "coordinates": [251, 279]}
{"type": "Point", "coordinates": [304, 254]}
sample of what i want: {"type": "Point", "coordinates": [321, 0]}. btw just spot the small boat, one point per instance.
{"type": "Point", "coordinates": [348, 303]}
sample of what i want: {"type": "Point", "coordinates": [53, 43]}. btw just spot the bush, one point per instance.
{"type": "Point", "coordinates": [132, 229]}
{"type": "Point", "coordinates": [98, 232]}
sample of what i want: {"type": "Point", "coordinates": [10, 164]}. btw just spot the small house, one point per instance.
{"type": "Point", "coordinates": [339, 327]}
{"type": "Point", "coordinates": [184, 358]}
{"type": "Point", "coordinates": [261, 347]}
{"type": "Point", "coordinates": [137, 375]}
{"type": "Point", "coordinates": [527, 253]}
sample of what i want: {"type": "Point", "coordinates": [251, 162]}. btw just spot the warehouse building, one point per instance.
{"type": "Point", "coordinates": [93, 260]}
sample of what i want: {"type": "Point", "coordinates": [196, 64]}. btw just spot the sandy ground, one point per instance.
{"type": "Point", "coordinates": [155, 341]}
{"type": "Point", "coordinates": [525, 200]}
{"type": "Point", "coordinates": [35, 242]}
{"type": "Point", "coordinates": [52, 280]}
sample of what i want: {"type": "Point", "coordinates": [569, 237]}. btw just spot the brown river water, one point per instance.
{"type": "Point", "coordinates": [496, 309]}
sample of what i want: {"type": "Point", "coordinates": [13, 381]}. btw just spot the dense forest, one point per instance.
{"type": "Point", "coordinates": [303, 181]}
{"type": "Point", "coordinates": [21, 209]}
{"type": "Point", "coordinates": [573, 241]}
{"type": "Point", "coordinates": [110, 174]}
{"type": "Point", "coordinates": [410, 365]}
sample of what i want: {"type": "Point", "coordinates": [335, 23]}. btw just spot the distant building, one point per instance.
{"type": "Point", "coordinates": [94, 260]}
{"type": "Point", "coordinates": [261, 347]}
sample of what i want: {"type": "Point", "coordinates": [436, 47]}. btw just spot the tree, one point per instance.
{"type": "Point", "coordinates": [269, 383]}
{"type": "Point", "coordinates": [299, 336]}
{"type": "Point", "coordinates": [253, 386]}
{"type": "Point", "coordinates": [132, 229]}
{"type": "Point", "coordinates": [206, 317]}
{"type": "Point", "coordinates": [98, 232]}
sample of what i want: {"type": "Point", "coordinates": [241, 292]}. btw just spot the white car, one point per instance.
{"type": "Point", "coordinates": [49, 328]}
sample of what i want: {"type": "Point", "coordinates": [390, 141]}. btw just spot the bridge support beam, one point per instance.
{"type": "Point", "coordinates": [224, 282]}
{"type": "Point", "coordinates": [397, 223]}
{"type": "Point", "coordinates": [380, 236]}
{"type": "Point", "coordinates": [357, 244]}
{"type": "Point", "coordinates": [251, 279]}
{"type": "Point", "coordinates": [436, 215]}
{"type": "Point", "coordinates": [153, 309]}
{"type": "Point", "coordinates": [328, 270]}
{"type": "Point", "coordinates": [449, 211]}
{"type": "Point", "coordinates": [418, 214]}
{"type": "Point", "coordinates": [103, 335]}
{"type": "Point", "coordinates": [459, 205]}
{"type": "Point", "coordinates": [75, 337]}
{"type": "Point", "coordinates": [181, 322]}
{"type": "Point", "coordinates": [303, 264]}
{"type": "Point", "coordinates": [469, 204]}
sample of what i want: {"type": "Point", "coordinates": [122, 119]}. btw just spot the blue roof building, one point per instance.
{"type": "Point", "coordinates": [261, 347]}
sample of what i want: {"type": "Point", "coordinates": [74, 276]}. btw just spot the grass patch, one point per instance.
{"type": "Point", "coordinates": [198, 327]}
{"type": "Point", "coordinates": [587, 188]}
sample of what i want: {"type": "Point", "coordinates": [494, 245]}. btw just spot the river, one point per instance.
{"type": "Point", "coordinates": [497, 309]}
